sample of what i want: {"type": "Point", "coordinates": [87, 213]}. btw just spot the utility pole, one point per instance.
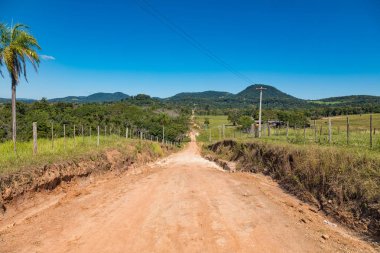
{"type": "Point", "coordinates": [261, 100]}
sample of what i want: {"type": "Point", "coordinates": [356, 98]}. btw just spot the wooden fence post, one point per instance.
{"type": "Point", "coordinates": [370, 131]}
{"type": "Point", "coordinates": [90, 131]}
{"type": "Point", "coordinates": [268, 128]}
{"type": "Point", "coordinates": [52, 135]}
{"type": "Point", "coordinates": [163, 134]}
{"type": "Point", "coordinates": [287, 130]}
{"type": "Point", "coordinates": [330, 131]}
{"type": "Point", "coordinates": [34, 138]}
{"type": "Point", "coordinates": [304, 133]}
{"type": "Point", "coordinates": [82, 134]}
{"type": "Point", "coordinates": [97, 141]}
{"type": "Point", "coordinates": [209, 137]}
{"type": "Point", "coordinates": [348, 130]}
{"type": "Point", "coordinates": [64, 136]}
{"type": "Point", "coordinates": [74, 135]}
{"type": "Point", "coordinates": [126, 133]}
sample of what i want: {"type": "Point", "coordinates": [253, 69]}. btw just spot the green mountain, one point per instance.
{"type": "Point", "coordinates": [349, 100]}
{"type": "Point", "coordinates": [201, 95]}
{"type": "Point", "coordinates": [272, 98]}
{"type": "Point", "coordinates": [8, 100]}
{"type": "Point", "coordinates": [94, 98]}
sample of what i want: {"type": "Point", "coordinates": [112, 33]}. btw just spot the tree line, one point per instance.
{"type": "Point", "coordinates": [113, 117]}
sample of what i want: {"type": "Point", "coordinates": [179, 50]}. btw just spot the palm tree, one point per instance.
{"type": "Point", "coordinates": [19, 47]}
{"type": "Point", "coordinates": [2, 43]}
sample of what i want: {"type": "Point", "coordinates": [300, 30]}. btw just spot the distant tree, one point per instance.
{"type": "Point", "coordinates": [18, 47]}
{"type": "Point", "coordinates": [245, 122]}
{"type": "Point", "coordinates": [233, 116]}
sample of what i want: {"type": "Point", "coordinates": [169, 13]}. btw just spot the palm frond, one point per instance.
{"type": "Point", "coordinates": [19, 47]}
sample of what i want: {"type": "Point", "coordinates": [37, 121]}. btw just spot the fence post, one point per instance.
{"type": "Point", "coordinates": [223, 131]}
{"type": "Point", "coordinates": [268, 128]}
{"type": "Point", "coordinates": [304, 133]}
{"type": "Point", "coordinates": [90, 131]}
{"type": "Point", "coordinates": [34, 138]}
{"type": "Point", "coordinates": [64, 136]}
{"type": "Point", "coordinates": [163, 134]}
{"type": "Point", "coordinates": [52, 135]}
{"type": "Point", "coordinates": [209, 137]}
{"type": "Point", "coordinates": [370, 130]}
{"type": "Point", "coordinates": [348, 130]}
{"type": "Point", "coordinates": [126, 133]}
{"type": "Point", "coordinates": [287, 130]}
{"type": "Point", "coordinates": [82, 134]}
{"type": "Point", "coordinates": [330, 132]}
{"type": "Point", "coordinates": [97, 141]}
{"type": "Point", "coordinates": [74, 135]}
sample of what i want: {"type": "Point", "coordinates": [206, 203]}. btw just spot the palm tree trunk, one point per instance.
{"type": "Point", "coordinates": [14, 129]}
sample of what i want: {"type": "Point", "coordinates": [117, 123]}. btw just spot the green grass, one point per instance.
{"type": "Point", "coordinates": [61, 150]}
{"type": "Point", "coordinates": [359, 138]}
{"type": "Point", "coordinates": [357, 122]}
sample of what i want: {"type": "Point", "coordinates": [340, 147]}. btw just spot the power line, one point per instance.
{"type": "Point", "coordinates": [151, 10]}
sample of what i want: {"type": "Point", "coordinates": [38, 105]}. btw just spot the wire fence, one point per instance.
{"type": "Point", "coordinates": [71, 136]}
{"type": "Point", "coordinates": [329, 131]}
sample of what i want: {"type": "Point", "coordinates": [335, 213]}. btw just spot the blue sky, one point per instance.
{"type": "Point", "coordinates": [309, 49]}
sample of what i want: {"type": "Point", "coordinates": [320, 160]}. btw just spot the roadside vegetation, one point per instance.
{"type": "Point", "coordinates": [60, 151]}
{"type": "Point", "coordinates": [344, 185]}
{"type": "Point", "coordinates": [342, 180]}
{"type": "Point", "coordinates": [318, 134]}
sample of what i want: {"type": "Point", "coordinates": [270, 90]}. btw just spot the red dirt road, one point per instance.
{"type": "Point", "coordinates": [182, 203]}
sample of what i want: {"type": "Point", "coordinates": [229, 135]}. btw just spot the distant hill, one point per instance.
{"type": "Point", "coordinates": [201, 95]}
{"type": "Point", "coordinates": [272, 98]}
{"type": "Point", "coordinates": [94, 98]}
{"type": "Point", "coordinates": [8, 100]}
{"type": "Point", "coordinates": [271, 92]}
{"type": "Point", "coordinates": [352, 99]}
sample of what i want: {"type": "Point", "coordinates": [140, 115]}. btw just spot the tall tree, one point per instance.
{"type": "Point", "coordinates": [19, 47]}
{"type": "Point", "coordinates": [2, 43]}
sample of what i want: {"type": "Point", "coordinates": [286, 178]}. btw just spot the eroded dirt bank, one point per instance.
{"type": "Point", "coordinates": [344, 186]}
{"type": "Point", "coordinates": [29, 180]}
{"type": "Point", "coordinates": [182, 203]}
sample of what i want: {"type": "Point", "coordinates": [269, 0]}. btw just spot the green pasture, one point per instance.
{"type": "Point", "coordinates": [358, 138]}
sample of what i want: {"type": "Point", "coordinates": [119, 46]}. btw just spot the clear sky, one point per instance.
{"type": "Point", "coordinates": [309, 49]}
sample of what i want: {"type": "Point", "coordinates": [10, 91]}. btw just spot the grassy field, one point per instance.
{"type": "Point", "coordinates": [359, 136]}
{"type": "Point", "coordinates": [61, 150]}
